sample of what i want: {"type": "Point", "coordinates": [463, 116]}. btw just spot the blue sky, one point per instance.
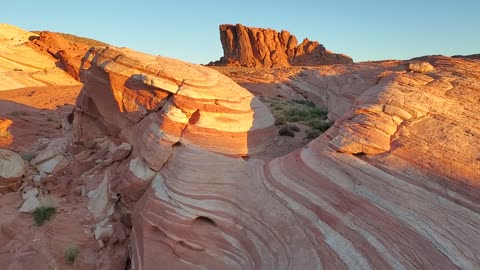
{"type": "Point", "coordinates": [188, 30]}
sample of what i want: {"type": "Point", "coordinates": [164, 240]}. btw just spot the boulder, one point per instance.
{"type": "Point", "coordinates": [420, 67]}
{"type": "Point", "coordinates": [11, 164]}
{"type": "Point", "coordinates": [30, 204]}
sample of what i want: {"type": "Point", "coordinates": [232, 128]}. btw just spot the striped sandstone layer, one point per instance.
{"type": "Point", "coordinates": [394, 184]}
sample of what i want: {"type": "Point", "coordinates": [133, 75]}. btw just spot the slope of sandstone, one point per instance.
{"type": "Point", "coordinates": [21, 66]}
{"type": "Point", "coordinates": [258, 47]}
{"type": "Point", "coordinates": [375, 191]}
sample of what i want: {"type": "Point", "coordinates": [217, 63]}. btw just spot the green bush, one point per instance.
{"type": "Point", "coordinates": [71, 253]}
{"type": "Point", "coordinates": [298, 111]}
{"type": "Point", "coordinates": [42, 213]}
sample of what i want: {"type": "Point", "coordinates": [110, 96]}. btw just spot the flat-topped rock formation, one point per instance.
{"type": "Point", "coordinates": [22, 66]}
{"type": "Point", "coordinates": [373, 192]}
{"type": "Point", "coordinates": [259, 47]}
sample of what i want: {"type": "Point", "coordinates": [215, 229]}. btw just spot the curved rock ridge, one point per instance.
{"type": "Point", "coordinates": [259, 47]}
{"type": "Point", "coordinates": [21, 66]}
{"type": "Point", "coordinates": [155, 102]}
{"type": "Point", "coordinates": [317, 208]}
{"type": "Point", "coordinates": [410, 200]}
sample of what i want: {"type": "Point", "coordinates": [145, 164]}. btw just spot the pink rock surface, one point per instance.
{"type": "Point", "coordinates": [400, 205]}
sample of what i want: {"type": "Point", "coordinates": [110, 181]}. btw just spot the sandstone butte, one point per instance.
{"type": "Point", "coordinates": [260, 47]}
{"type": "Point", "coordinates": [172, 158]}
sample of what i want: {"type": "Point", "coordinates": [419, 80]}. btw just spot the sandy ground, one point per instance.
{"type": "Point", "coordinates": [28, 115]}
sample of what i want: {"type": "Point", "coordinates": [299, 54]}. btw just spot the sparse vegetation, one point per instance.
{"type": "Point", "coordinates": [42, 214]}
{"type": "Point", "coordinates": [71, 253]}
{"type": "Point", "coordinates": [301, 111]}
{"type": "Point", "coordinates": [47, 208]}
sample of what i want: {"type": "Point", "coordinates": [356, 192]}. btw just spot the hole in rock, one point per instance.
{"type": "Point", "coordinates": [246, 158]}
{"type": "Point", "coordinates": [70, 118]}
{"type": "Point", "coordinates": [205, 220]}
{"type": "Point", "coordinates": [194, 118]}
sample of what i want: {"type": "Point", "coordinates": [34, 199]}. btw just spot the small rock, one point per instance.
{"type": "Point", "coordinates": [30, 204]}
{"type": "Point", "coordinates": [122, 152]}
{"type": "Point", "coordinates": [31, 191]}
{"type": "Point", "coordinates": [53, 165]}
{"type": "Point", "coordinates": [420, 67]}
{"type": "Point", "coordinates": [103, 233]}
{"type": "Point", "coordinates": [11, 164]}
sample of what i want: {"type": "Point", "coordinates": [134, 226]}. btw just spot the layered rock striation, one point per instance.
{"type": "Point", "coordinates": [197, 204]}
{"type": "Point", "coordinates": [259, 47]}
{"type": "Point", "coordinates": [21, 66]}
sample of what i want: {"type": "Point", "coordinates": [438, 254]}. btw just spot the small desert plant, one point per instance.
{"type": "Point", "coordinates": [286, 131]}
{"type": "Point", "coordinates": [48, 206]}
{"type": "Point", "coordinates": [17, 69]}
{"type": "Point", "coordinates": [301, 111]}
{"type": "Point", "coordinates": [318, 128]}
{"type": "Point", "coordinates": [71, 253]}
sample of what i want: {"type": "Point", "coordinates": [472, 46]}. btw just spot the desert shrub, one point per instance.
{"type": "Point", "coordinates": [71, 253]}
{"type": "Point", "coordinates": [318, 128]}
{"type": "Point", "coordinates": [286, 130]}
{"type": "Point", "coordinates": [301, 111]}
{"type": "Point", "coordinates": [42, 214]}
{"type": "Point", "coordinates": [295, 128]}
{"type": "Point", "coordinates": [47, 208]}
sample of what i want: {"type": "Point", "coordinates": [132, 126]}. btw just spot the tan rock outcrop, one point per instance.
{"type": "Point", "coordinates": [21, 66]}
{"type": "Point", "coordinates": [259, 47]}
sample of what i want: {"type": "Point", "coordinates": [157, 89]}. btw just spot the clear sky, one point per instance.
{"type": "Point", "coordinates": [188, 30]}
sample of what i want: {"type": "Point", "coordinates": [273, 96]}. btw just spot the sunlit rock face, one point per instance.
{"type": "Point", "coordinates": [260, 47]}
{"type": "Point", "coordinates": [407, 199]}
{"type": "Point", "coordinates": [22, 66]}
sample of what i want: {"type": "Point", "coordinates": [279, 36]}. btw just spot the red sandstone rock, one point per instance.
{"type": "Point", "coordinates": [68, 53]}
{"type": "Point", "coordinates": [258, 47]}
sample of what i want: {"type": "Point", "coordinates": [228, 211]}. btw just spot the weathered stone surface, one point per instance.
{"type": "Point", "coordinates": [30, 204]}
{"type": "Point", "coordinates": [155, 102]}
{"type": "Point", "coordinates": [320, 208]}
{"type": "Point", "coordinates": [190, 192]}
{"type": "Point", "coordinates": [11, 164]}
{"type": "Point", "coordinates": [420, 67]}
{"type": "Point", "coordinates": [122, 151]}
{"type": "Point", "coordinates": [22, 66]}
{"type": "Point", "coordinates": [258, 47]}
